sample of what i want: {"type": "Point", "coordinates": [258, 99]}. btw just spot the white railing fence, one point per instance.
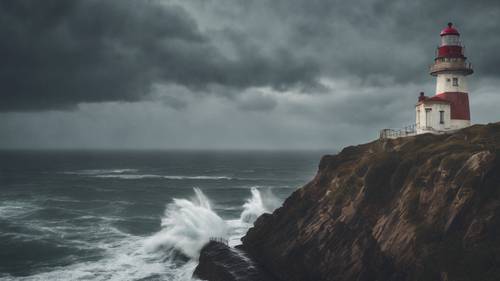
{"type": "Point", "coordinates": [409, 130]}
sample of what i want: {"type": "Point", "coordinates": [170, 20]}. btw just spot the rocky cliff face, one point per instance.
{"type": "Point", "coordinates": [416, 208]}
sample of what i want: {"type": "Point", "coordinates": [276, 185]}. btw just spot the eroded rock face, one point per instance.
{"type": "Point", "coordinates": [417, 208]}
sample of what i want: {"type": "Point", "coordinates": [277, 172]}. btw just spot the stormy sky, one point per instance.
{"type": "Point", "coordinates": [229, 74]}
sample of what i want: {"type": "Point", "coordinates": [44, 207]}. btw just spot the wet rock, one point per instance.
{"type": "Point", "coordinates": [219, 262]}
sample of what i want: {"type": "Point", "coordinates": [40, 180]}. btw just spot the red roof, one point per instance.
{"type": "Point", "coordinates": [450, 30]}
{"type": "Point", "coordinates": [434, 99]}
{"type": "Point", "coordinates": [459, 103]}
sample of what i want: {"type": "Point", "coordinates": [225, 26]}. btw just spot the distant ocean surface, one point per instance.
{"type": "Point", "coordinates": [134, 215]}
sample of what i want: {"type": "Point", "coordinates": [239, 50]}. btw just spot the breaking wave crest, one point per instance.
{"type": "Point", "coordinates": [132, 174]}
{"type": "Point", "coordinates": [258, 205]}
{"type": "Point", "coordinates": [152, 176]}
{"type": "Point", "coordinates": [100, 172]}
{"type": "Point", "coordinates": [171, 253]}
{"type": "Point", "coordinates": [187, 226]}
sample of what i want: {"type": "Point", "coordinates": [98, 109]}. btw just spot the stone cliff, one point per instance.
{"type": "Point", "coordinates": [417, 208]}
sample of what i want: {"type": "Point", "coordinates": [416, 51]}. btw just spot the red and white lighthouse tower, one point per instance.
{"type": "Point", "coordinates": [448, 109]}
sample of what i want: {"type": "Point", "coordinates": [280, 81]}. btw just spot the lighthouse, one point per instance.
{"type": "Point", "coordinates": [448, 109]}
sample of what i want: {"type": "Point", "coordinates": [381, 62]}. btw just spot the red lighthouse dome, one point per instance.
{"type": "Point", "coordinates": [450, 43]}
{"type": "Point", "coordinates": [450, 30]}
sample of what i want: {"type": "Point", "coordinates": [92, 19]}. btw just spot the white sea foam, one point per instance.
{"type": "Point", "coordinates": [187, 226]}
{"type": "Point", "coordinates": [126, 176]}
{"type": "Point", "coordinates": [153, 176]}
{"type": "Point", "coordinates": [199, 177]}
{"type": "Point", "coordinates": [258, 205]}
{"type": "Point", "coordinates": [16, 208]}
{"type": "Point", "coordinates": [125, 260]}
{"type": "Point", "coordinates": [100, 171]}
{"type": "Point", "coordinates": [253, 207]}
{"type": "Point", "coordinates": [261, 201]}
{"type": "Point", "coordinates": [132, 174]}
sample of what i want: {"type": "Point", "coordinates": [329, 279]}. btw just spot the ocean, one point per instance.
{"type": "Point", "coordinates": [133, 215]}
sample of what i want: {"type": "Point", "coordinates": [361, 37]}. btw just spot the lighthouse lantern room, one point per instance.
{"type": "Point", "coordinates": [448, 109]}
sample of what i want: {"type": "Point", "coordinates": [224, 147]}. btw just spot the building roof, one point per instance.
{"type": "Point", "coordinates": [433, 99]}
{"type": "Point", "coordinates": [450, 30]}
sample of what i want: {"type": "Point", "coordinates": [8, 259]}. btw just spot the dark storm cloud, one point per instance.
{"type": "Point", "coordinates": [394, 38]}
{"type": "Point", "coordinates": [57, 53]}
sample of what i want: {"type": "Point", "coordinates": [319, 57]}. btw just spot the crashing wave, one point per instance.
{"type": "Point", "coordinates": [258, 205]}
{"type": "Point", "coordinates": [187, 226]}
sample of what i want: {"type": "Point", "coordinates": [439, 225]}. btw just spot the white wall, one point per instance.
{"type": "Point", "coordinates": [434, 124]}
{"type": "Point", "coordinates": [444, 83]}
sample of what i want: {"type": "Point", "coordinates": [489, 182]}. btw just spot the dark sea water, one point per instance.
{"type": "Point", "coordinates": [101, 215]}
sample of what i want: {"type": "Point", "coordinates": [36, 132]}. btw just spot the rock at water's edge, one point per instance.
{"type": "Point", "coordinates": [219, 262]}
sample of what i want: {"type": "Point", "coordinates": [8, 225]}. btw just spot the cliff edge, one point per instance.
{"type": "Point", "coordinates": [416, 208]}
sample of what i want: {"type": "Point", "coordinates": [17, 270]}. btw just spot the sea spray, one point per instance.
{"type": "Point", "coordinates": [258, 205]}
{"type": "Point", "coordinates": [261, 201]}
{"type": "Point", "coordinates": [187, 226]}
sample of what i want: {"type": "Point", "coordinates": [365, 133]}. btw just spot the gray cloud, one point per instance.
{"type": "Point", "coordinates": [389, 38]}
{"type": "Point", "coordinates": [256, 101]}
{"type": "Point", "coordinates": [57, 53]}
{"type": "Point", "coordinates": [229, 73]}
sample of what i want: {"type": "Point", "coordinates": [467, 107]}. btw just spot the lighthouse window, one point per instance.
{"type": "Point", "coordinates": [441, 117]}
{"type": "Point", "coordinates": [455, 81]}
{"type": "Point", "coordinates": [450, 40]}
